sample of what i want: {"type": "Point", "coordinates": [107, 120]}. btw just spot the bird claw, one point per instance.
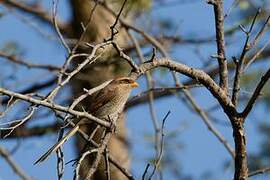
{"type": "Point", "coordinates": [112, 127]}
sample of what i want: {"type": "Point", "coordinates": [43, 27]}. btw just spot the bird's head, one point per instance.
{"type": "Point", "coordinates": [126, 82]}
{"type": "Point", "coordinates": [111, 99]}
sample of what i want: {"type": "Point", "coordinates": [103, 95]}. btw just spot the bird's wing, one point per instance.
{"type": "Point", "coordinates": [102, 98]}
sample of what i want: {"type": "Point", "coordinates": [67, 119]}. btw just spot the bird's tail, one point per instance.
{"type": "Point", "coordinates": [58, 144]}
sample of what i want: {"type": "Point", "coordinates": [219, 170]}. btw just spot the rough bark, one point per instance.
{"type": "Point", "coordinates": [240, 161]}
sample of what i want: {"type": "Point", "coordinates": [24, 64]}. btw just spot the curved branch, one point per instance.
{"type": "Point", "coordinates": [196, 74]}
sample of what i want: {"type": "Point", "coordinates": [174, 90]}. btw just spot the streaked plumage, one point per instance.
{"type": "Point", "coordinates": [109, 101]}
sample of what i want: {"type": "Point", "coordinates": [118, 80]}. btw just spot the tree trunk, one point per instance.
{"type": "Point", "coordinates": [241, 169]}
{"type": "Point", "coordinates": [106, 68]}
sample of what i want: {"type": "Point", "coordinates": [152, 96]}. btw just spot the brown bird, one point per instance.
{"type": "Point", "coordinates": [109, 102]}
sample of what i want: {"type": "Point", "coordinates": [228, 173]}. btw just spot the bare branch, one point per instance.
{"type": "Point", "coordinates": [106, 158]}
{"type": "Point", "coordinates": [19, 61]}
{"type": "Point", "coordinates": [37, 12]}
{"type": "Point", "coordinates": [113, 27]}
{"type": "Point", "coordinates": [150, 85]}
{"type": "Point", "coordinates": [111, 158]}
{"type": "Point", "coordinates": [145, 171]}
{"type": "Point", "coordinates": [208, 123]}
{"type": "Point", "coordinates": [220, 38]}
{"type": "Point", "coordinates": [128, 26]}
{"type": "Point", "coordinates": [159, 157]}
{"type": "Point", "coordinates": [85, 27]}
{"type": "Point", "coordinates": [121, 168]}
{"type": "Point", "coordinates": [17, 123]}
{"type": "Point", "coordinates": [257, 54]}
{"type": "Point", "coordinates": [125, 57]}
{"type": "Point", "coordinates": [100, 151]}
{"type": "Point", "coordinates": [239, 63]}
{"type": "Point", "coordinates": [87, 153]}
{"type": "Point", "coordinates": [89, 60]}
{"type": "Point", "coordinates": [196, 74]}
{"type": "Point", "coordinates": [6, 155]}
{"type": "Point", "coordinates": [54, 106]}
{"type": "Point", "coordinates": [60, 157]}
{"type": "Point", "coordinates": [62, 40]}
{"type": "Point", "coordinates": [259, 171]}
{"type": "Point", "coordinates": [256, 94]}
{"type": "Point", "coordinates": [24, 132]}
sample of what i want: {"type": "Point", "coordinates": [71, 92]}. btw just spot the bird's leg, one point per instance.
{"type": "Point", "coordinates": [112, 124]}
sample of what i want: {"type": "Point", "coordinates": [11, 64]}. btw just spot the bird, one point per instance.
{"type": "Point", "coordinates": [107, 104]}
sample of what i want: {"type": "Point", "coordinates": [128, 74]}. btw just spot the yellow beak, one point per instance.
{"type": "Point", "coordinates": [134, 84]}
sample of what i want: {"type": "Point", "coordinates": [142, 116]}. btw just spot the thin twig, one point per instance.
{"type": "Point", "coordinates": [143, 96]}
{"type": "Point", "coordinates": [6, 155]}
{"type": "Point", "coordinates": [87, 153]}
{"type": "Point", "coordinates": [239, 63]}
{"type": "Point", "coordinates": [88, 93]}
{"type": "Point", "coordinates": [54, 106]}
{"type": "Point", "coordinates": [60, 157]}
{"type": "Point", "coordinates": [11, 102]}
{"type": "Point", "coordinates": [111, 158]}
{"type": "Point", "coordinates": [128, 26]}
{"type": "Point", "coordinates": [145, 171]}
{"type": "Point", "coordinates": [208, 122]}
{"type": "Point", "coordinates": [54, 13]}
{"type": "Point", "coordinates": [17, 123]}
{"type": "Point", "coordinates": [256, 39]}
{"type": "Point", "coordinates": [125, 57]}
{"type": "Point", "coordinates": [260, 33]}
{"type": "Point", "coordinates": [100, 151]}
{"type": "Point", "coordinates": [256, 94]}
{"type": "Point", "coordinates": [220, 40]}
{"type": "Point", "coordinates": [89, 60]}
{"type": "Point", "coordinates": [150, 85]}
{"type": "Point", "coordinates": [259, 171]}
{"type": "Point", "coordinates": [37, 12]}
{"type": "Point", "coordinates": [158, 160]}
{"type": "Point", "coordinates": [255, 56]}
{"type": "Point", "coordinates": [121, 168]}
{"type": "Point", "coordinates": [106, 157]}
{"type": "Point", "coordinates": [19, 61]}
{"type": "Point", "coordinates": [85, 28]}
{"type": "Point", "coordinates": [113, 29]}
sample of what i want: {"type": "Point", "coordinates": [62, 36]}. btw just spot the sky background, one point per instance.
{"type": "Point", "coordinates": [200, 151]}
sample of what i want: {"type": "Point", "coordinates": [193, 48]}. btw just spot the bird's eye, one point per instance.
{"type": "Point", "coordinates": [126, 81]}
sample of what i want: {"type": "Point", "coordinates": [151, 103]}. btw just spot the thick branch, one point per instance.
{"type": "Point", "coordinates": [241, 169]}
{"type": "Point", "coordinates": [199, 75]}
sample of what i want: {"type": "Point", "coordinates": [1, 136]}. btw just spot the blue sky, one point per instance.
{"type": "Point", "coordinates": [202, 152]}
